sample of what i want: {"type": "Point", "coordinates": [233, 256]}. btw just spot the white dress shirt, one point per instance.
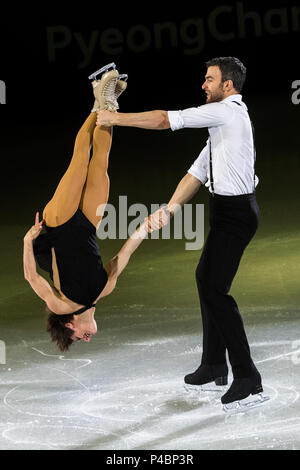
{"type": "Point", "coordinates": [232, 145]}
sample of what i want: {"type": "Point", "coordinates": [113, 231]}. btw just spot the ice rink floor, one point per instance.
{"type": "Point", "coordinates": [125, 390]}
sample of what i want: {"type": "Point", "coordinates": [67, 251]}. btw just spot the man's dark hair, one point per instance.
{"type": "Point", "coordinates": [231, 69]}
{"type": "Point", "coordinates": [59, 332]}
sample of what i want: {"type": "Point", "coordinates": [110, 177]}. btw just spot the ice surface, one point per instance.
{"type": "Point", "coordinates": [125, 389]}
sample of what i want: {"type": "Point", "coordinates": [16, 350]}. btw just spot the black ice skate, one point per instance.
{"type": "Point", "coordinates": [207, 378]}
{"type": "Point", "coordinates": [236, 398]}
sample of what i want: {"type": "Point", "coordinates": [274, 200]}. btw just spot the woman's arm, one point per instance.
{"type": "Point", "coordinates": [29, 264]}
{"type": "Point", "coordinates": [40, 286]}
{"type": "Point", "coordinates": [37, 282]}
{"type": "Point", "coordinates": [119, 262]}
{"type": "Point", "coordinates": [28, 255]}
{"type": "Point", "coordinates": [129, 247]}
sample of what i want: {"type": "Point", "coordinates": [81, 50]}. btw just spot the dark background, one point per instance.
{"type": "Point", "coordinates": [47, 100]}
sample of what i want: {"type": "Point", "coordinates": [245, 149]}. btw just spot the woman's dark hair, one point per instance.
{"type": "Point", "coordinates": [231, 69]}
{"type": "Point", "coordinates": [59, 332]}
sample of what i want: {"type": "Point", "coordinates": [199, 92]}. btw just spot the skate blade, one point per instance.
{"type": "Point", "coordinates": [246, 404]}
{"type": "Point", "coordinates": [123, 77]}
{"type": "Point", "coordinates": [94, 75]}
{"type": "Point", "coordinates": [210, 387]}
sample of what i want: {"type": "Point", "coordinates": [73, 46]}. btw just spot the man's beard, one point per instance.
{"type": "Point", "coordinates": [216, 96]}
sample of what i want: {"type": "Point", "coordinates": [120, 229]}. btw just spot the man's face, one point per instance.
{"type": "Point", "coordinates": [213, 85]}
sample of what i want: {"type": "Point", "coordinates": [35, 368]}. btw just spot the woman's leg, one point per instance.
{"type": "Point", "coordinates": [96, 189]}
{"type": "Point", "coordinates": [66, 198]}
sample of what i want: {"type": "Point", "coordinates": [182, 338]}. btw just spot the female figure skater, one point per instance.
{"type": "Point", "coordinates": [68, 250]}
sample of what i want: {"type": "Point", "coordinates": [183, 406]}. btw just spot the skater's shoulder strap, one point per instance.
{"type": "Point", "coordinates": [83, 309]}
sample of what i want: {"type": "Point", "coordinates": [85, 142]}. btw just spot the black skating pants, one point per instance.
{"type": "Point", "coordinates": [233, 223]}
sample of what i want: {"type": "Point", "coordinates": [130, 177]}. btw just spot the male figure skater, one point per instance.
{"type": "Point", "coordinates": [226, 167]}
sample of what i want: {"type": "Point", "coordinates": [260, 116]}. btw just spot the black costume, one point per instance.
{"type": "Point", "coordinates": [81, 272]}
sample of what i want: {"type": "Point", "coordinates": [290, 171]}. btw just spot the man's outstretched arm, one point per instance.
{"type": "Point", "coordinates": [156, 120]}
{"type": "Point", "coordinates": [186, 189]}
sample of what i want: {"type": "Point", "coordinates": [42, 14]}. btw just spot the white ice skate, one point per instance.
{"type": "Point", "coordinates": [108, 89]}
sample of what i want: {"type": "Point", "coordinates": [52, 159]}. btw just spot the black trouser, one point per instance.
{"type": "Point", "coordinates": [233, 222]}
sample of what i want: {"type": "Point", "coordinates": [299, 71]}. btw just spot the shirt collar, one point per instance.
{"type": "Point", "coordinates": [237, 97]}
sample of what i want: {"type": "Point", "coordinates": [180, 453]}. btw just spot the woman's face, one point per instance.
{"type": "Point", "coordinates": [82, 329]}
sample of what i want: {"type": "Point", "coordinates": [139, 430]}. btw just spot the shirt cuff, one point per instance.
{"type": "Point", "coordinates": [175, 119]}
{"type": "Point", "coordinates": [197, 174]}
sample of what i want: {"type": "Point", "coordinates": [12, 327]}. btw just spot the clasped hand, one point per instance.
{"type": "Point", "coordinates": [158, 219]}
{"type": "Point", "coordinates": [105, 118]}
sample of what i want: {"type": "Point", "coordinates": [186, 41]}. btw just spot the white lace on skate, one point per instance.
{"type": "Point", "coordinates": [246, 404]}
{"type": "Point", "coordinates": [121, 86]}
{"type": "Point", "coordinates": [108, 95]}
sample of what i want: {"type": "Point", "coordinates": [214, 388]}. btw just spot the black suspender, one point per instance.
{"type": "Point", "coordinates": [211, 178]}
{"type": "Point", "coordinates": [254, 150]}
